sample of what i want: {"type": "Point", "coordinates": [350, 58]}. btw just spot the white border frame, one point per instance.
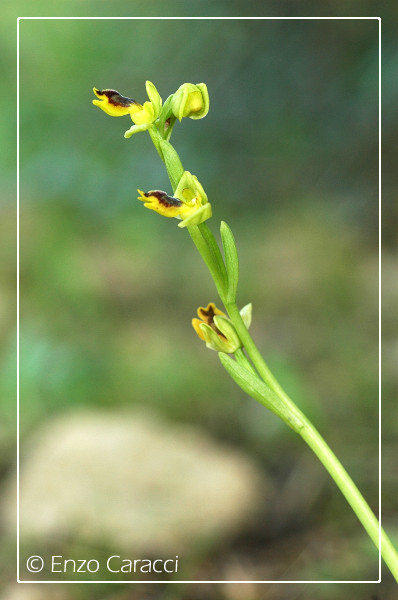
{"type": "Point", "coordinates": [18, 246]}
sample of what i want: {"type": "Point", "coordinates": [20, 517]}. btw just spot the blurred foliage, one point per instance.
{"type": "Point", "coordinates": [289, 158]}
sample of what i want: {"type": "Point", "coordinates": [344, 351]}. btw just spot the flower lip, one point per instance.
{"type": "Point", "coordinates": [160, 202]}
{"type": "Point", "coordinates": [115, 98]}
{"type": "Point", "coordinates": [161, 197]}
{"type": "Point", "coordinates": [206, 315]}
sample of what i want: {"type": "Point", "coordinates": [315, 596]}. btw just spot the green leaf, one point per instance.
{"type": "Point", "coordinates": [207, 253]}
{"type": "Point", "coordinates": [215, 250]}
{"type": "Point", "coordinates": [231, 260]}
{"type": "Point", "coordinates": [172, 161]}
{"type": "Point", "coordinates": [257, 389]}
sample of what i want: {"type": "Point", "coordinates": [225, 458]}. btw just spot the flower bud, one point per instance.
{"type": "Point", "coordinates": [190, 101]}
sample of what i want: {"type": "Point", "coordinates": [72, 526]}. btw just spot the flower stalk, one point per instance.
{"type": "Point", "coordinates": [238, 353]}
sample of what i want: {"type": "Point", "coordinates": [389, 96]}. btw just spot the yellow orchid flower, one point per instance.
{"type": "Point", "coordinates": [142, 115]}
{"type": "Point", "coordinates": [214, 328]}
{"type": "Point", "coordinates": [189, 204]}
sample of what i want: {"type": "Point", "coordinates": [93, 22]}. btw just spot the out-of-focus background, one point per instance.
{"type": "Point", "coordinates": [134, 440]}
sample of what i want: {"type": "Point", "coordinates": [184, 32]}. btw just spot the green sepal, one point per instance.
{"type": "Point", "coordinates": [198, 189]}
{"type": "Point", "coordinates": [190, 187]}
{"type": "Point", "coordinates": [154, 97]}
{"type": "Point", "coordinates": [231, 260]}
{"type": "Point", "coordinates": [228, 330]}
{"type": "Point", "coordinates": [206, 102]}
{"type": "Point", "coordinates": [257, 389]}
{"type": "Point", "coordinates": [172, 161]}
{"type": "Point", "coordinates": [215, 341]}
{"type": "Point", "coordinates": [199, 216]}
{"type": "Point", "coordinates": [182, 95]}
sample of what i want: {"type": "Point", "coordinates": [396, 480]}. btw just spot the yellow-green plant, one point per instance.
{"type": "Point", "coordinates": [228, 335]}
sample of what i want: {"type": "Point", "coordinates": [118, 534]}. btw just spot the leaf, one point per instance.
{"type": "Point", "coordinates": [231, 260]}
{"type": "Point", "coordinates": [201, 237]}
{"type": "Point", "coordinates": [257, 389]}
{"type": "Point", "coordinates": [172, 162]}
{"type": "Point", "coordinates": [215, 250]}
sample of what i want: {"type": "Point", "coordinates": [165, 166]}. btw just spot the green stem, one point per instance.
{"type": "Point", "coordinates": [209, 250]}
{"type": "Point", "coordinates": [351, 493]}
{"type": "Point", "coordinates": [318, 445]}
{"type": "Point", "coordinates": [200, 234]}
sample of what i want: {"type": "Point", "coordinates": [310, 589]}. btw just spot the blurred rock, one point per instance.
{"type": "Point", "coordinates": [133, 481]}
{"type": "Point", "coordinates": [35, 592]}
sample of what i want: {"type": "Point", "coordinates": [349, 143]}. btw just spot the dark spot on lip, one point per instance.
{"type": "Point", "coordinates": [163, 198]}
{"type": "Point", "coordinates": [117, 99]}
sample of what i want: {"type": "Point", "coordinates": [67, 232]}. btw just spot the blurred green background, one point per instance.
{"type": "Point", "coordinates": [288, 156]}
